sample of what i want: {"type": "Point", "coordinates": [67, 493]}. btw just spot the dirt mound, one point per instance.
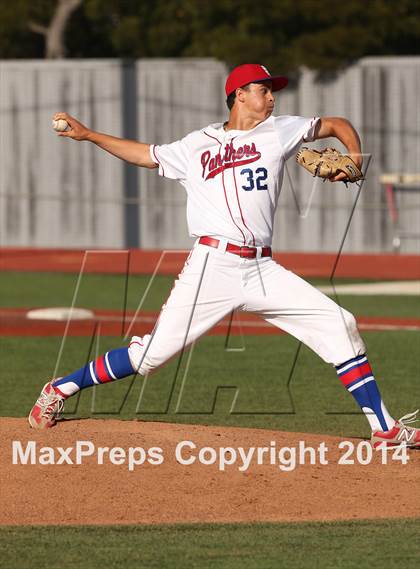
{"type": "Point", "coordinates": [169, 492]}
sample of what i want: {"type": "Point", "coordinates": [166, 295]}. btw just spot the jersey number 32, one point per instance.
{"type": "Point", "coordinates": [253, 179]}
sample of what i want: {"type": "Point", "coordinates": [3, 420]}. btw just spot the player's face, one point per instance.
{"type": "Point", "coordinates": [259, 100]}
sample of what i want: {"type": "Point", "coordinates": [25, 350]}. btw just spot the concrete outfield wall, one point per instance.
{"type": "Point", "coordinates": [55, 192]}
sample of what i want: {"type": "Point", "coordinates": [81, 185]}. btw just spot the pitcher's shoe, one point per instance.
{"type": "Point", "coordinates": [47, 408]}
{"type": "Point", "coordinates": [400, 433]}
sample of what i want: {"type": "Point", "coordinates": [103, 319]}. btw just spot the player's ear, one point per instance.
{"type": "Point", "coordinates": [240, 94]}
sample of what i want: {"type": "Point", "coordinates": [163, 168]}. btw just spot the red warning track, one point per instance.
{"type": "Point", "coordinates": [138, 261]}
{"type": "Point", "coordinates": [13, 322]}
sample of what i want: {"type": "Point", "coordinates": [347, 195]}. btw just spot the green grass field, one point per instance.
{"type": "Point", "coordinates": [309, 400]}
{"type": "Point", "coordinates": [314, 402]}
{"type": "Point", "coordinates": [109, 291]}
{"type": "Point", "coordinates": [348, 545]}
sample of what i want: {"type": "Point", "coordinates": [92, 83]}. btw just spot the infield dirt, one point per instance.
{"type": "Point", "coordinates": [170, 492]}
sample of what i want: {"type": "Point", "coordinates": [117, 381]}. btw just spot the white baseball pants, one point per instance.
{"type": "Point", "coordinates": [214, 283]}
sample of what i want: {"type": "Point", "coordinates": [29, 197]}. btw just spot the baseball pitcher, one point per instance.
{"type": "Point", "coordinates": [232, 173]}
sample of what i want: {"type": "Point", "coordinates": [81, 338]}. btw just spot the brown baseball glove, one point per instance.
{"type": "Point", "coordinates": [328, 163]}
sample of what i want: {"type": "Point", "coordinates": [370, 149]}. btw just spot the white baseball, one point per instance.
{"type": "Point", "coordinates": [60, 125]}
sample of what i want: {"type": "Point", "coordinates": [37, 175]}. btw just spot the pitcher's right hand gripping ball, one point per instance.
{"type": "Point", "coordinates": [328, 163]}
{"type": "Point", "coordinates": [60, 125]}
{"type": "Point", "coordinates": [66, 125]}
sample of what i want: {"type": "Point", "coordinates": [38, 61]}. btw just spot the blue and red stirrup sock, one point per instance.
{"type": "Point", "coordinates": [355, 374]}
{"type": "Point", "coordinates": [112, 365]}
{"type": "Point", "coordinates": [357, 377]}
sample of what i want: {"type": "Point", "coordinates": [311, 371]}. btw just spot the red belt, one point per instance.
{"type": "Point", "coordinates": [244, 251]}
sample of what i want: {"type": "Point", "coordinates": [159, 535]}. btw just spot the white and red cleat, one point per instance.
{"type": "Point", "coordinates": [47, 408]}
{"type": "Point", "coordinates": [400, 433]}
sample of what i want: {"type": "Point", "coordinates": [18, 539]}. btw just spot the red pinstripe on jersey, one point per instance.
{"type": "Point", "coordinates": [224, 190]}
{"type": "Point", "coordinates": [240, 209]}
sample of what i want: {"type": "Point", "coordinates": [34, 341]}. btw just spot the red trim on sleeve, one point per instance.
{"type": "Point", "coordinates": [157, 159]}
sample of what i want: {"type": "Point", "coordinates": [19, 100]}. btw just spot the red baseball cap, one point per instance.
{"type": "Point", "coordinates": [252, 73]}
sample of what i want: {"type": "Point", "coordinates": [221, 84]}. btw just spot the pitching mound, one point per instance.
{"type": "Point", "coordinates": [162, 490]}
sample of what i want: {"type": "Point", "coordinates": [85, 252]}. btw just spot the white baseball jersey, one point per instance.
{"type": "Point", "coordinates": [233, 178]}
